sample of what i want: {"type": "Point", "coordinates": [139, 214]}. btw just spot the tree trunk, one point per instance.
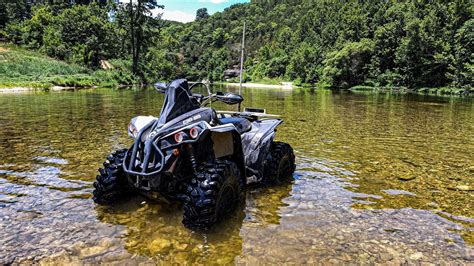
{"type": "Point", "coordinates": [138, 34]}
{"type": "Point", "coordinates": [132, 33]}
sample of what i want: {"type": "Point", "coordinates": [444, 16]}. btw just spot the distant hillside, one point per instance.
{"type": "Point", "coordinates": [338, 43]}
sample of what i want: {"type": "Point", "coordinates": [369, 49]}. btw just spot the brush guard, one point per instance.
{"type": "Point", "coordinates": [144, 161]}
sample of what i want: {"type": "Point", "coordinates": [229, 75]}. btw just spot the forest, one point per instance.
{"type": "Point", "coordinates": [339, 44]}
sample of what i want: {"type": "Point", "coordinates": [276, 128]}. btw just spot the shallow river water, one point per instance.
{"type": "Point", "coordinates": [379, 178]}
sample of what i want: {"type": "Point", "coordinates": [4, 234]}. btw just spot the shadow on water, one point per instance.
{"type": "Point", "coordinates": [154, 229]}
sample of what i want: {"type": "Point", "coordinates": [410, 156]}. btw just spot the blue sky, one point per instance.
{"type": "Point", "coordinates": [185, 10]}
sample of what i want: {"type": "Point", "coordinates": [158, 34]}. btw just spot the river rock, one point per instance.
{"type": "Point", "coordinates": [406, 178]}
{"type": "Point", "coordinates": [180, 246]}
{"type": "Point", "coordinates": [159, 245]}
{"type": "Point", "coordinates": [416, 256]}
{"type": "Point", "coordinates": [116, 256]}
{"type": "Point", "coordinates": [181, 258]}
{"type": "Point", "coordinates": [386, 257]}
{"type": "Point", "coordinates": [464, 188]}
{"type": "Point", "coordinates": [92, 251]}
{"type": "Point", "coordinates": [461, 188]}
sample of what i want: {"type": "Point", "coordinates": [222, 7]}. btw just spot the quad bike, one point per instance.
{"type": "Point", "coordinates": [193, 154]}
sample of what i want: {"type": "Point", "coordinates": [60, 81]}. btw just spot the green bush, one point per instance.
{"type": "Point", "coordinates": [348, 67]}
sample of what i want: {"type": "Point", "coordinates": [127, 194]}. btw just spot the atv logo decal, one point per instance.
{"type": "Point", "coordinates": [191, 119]}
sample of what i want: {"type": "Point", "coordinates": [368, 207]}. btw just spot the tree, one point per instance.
{"type": "Point", "coordinates": [78, 34]}
{"type": "Point", "coordinates": [201, 13]}
{"type": "Point", "coordinates": [348, 67]}
{"type": "Point", "coordinates": [303, 64]}
{"type": "Point", "coordinates": [12, 11]}
{"type": "Point", "coordinates": [34, 28]}
{"type": "Point", "coordinates": [463, 64]}
{"type": "Point", "coordinates": [140, 19]}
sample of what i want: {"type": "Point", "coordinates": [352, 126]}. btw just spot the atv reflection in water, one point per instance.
{"type": "Point", "coordinates": [196, 155]}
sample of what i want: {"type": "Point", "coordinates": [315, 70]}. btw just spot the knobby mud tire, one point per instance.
{"type": "Point", "coordinates": [281, 164]}
{"type": "Point", "coordinates": [212, 194]}
{"type": "Point", "coordinates": [111, 183]}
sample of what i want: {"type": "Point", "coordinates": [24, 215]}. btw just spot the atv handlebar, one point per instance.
{"type": "Point", "coordinates": [228, 98]}
{"type": "Point", "coordinates": [161, 86]}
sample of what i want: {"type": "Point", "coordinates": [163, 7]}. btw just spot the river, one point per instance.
{"type": "Point", "coordinates": [380, 178]}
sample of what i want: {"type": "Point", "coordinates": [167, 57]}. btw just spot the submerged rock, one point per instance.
{"type": "Point", "coordinates": [406, 178]}
{"type": "Point", "coordinates": [159, 245]}
{"type": "Point", "coordinates": [416, 256]}
{"type": "Point", "coordinates": [464, 188]}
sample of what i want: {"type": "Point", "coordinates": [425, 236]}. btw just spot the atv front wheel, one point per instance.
{"type": "Point", "coordinates": [281, 164]}
{"type": "Point", "coordinates": [212, 194]}
{"type": "Point", "coordinates": [111, 183]}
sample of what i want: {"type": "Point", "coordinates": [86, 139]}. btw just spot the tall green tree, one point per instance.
{"type": "Point", "coordinates": [141, 19]}
{"type": "Point", "coordinates": [201, 13]}
{"type": "Point", "coordinates": [349, 66]}
{"type": "Point", "coordinates": [79, 34]}
{"type": "Point", "coordinates": [463, 63]}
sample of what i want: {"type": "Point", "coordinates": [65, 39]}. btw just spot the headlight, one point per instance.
{"type": "Point", "coordinates": [179, 137]}
{"type": "Point", "coordinates": [132, 130]}
{"type": "Point", "coordinates": [194, 132]}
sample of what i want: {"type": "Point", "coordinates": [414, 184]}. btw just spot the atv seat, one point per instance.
{"type": "Point", "coordinates": [241, 124]}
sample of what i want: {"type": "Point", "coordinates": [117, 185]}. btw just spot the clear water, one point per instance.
{"type": "Point", "coordinates": [379, 178]}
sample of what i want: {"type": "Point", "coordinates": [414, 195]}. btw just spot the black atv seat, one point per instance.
{"type": "Point", "coordinates": [241, 124]}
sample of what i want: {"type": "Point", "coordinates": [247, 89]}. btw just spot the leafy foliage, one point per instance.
{"type": "Point", "coordinates": [407, 43]}
{"type": "Point", "coordinates": [201, 13]}
{"type": "Point", "coordinates": [349, 66]}
{"type": "Point", "coordinates": [342, 43]}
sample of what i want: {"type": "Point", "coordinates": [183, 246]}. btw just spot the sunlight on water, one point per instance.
{"type": "Point", "coordinates": [379, 178]}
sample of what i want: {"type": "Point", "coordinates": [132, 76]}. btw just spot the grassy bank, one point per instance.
{"type": "Point", "coordinates": [431, 91]}
{"type": "Point", "coordinates": [20, 68]}
{"type": "Point", "coordinates": [24, 68]}
{"type": "Point", "coordinates": [277, 83]}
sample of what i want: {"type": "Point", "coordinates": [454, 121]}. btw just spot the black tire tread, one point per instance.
{"type": "Point", "coordinates": [278, 151]}
{"type": "Point", "coordinates": [200, 201]}
{"type": "Point", "coordinates": [111, 183]}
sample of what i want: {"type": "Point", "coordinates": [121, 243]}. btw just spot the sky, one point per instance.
{"type": "Point", "coordinates": [185, 10]}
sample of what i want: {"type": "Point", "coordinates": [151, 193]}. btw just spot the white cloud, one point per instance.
{"type": "Point", "coordinates": [213, 1]}
{"type": "Point", "coordinates": [176, 15]}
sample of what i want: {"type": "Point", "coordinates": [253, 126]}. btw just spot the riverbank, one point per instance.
{"type": "Point", "coordinates": [278, 84]}
{"type": "Point", "coordinates": [285, 85]}
{"type": "Point", "coordinates": [54, 88]}
{"type": "Point", "coordinates": [445, 91]}
{"type": "Point", "coordinates": [24, 70]}
{"type": "Point", "coordinates": [429, 91]}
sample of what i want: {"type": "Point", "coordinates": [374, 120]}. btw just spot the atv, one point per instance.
{"type": "Point", "coordinates": [198, 156]}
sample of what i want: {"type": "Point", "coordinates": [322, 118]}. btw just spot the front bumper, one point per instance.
{"type": "Point", "coordinates": [144, 159]}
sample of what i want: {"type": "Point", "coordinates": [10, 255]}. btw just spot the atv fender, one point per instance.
{"type": "Point", "coordinates": [257, 144]}
{"type": "Point", "coordinates": [227, 144]}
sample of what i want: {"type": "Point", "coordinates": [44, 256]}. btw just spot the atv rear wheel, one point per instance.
{"type": "Point", "coordinates": [212, 194]}
{"type": "Point", "coordinates": [281, 164]}
{"type": "Point", "coordinates": [111, 183]}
